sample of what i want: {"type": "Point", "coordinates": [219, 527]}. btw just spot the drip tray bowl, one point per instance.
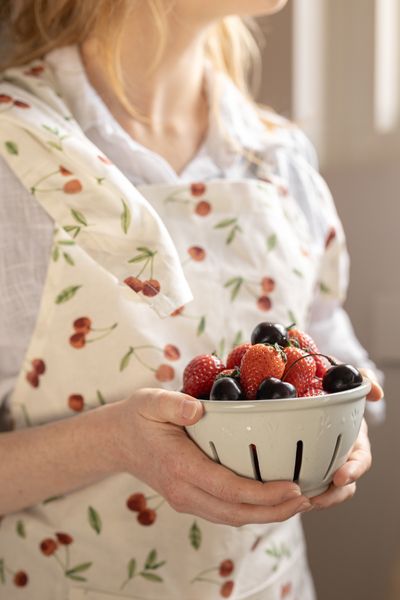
{"type": "Point", "coordinates": [303, 439]}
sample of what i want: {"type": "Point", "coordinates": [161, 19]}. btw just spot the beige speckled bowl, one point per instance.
{"type": "Point", "coordinates": [303, 439]}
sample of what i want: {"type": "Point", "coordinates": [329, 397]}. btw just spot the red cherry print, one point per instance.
{"type": "Point", "coordinates": [76, 402]}
{"type": "Point", "coordinates": [151, 287]}
{"type": "Point", "coordinates": [48, 546]}
{"type": "Point", "coordinates": [285, 590]}
{"type": "Point", "coordinates": [4, 99]}
{"type": "Point", "coordinates": [33, 378]}
{"type": "Point", "coordinates": [104, 160]}
{"type": "Point", "coordinates": [227, 589]}
{"type": "Point", "coordinates": [137, 502]}
{"type": "Point", "coordinates": [197, 189]}
{"type": "Point", "coordinates": [64, 171]}
{"type": "Point", "coordinates": [134, 283]}
{"type": "Point", "coordinates": [165, 373]}
{"type": "Point", "coordinates": [77, 340]}
{"type": "Point", "coordinates": [330, 237]}
{"type": "Point", "coordinates": [21, 579]}
{"type": "Point", "coordinates": [177, 311]}
{"type": "Point", "coordinates": [267, 284]}
{"type": "Point", "coordinates": [82, 325]}
{"type": "Point", "coordinates": [147, 516]}
{"type": "Point", "coordinates": [203, 208]}
{"type": "Point", "coordinates": [264, 303]}
{"type": "Point", "coordinates": [73, 186]}
{"type": "Point", "coordinates": [171, 352]}
{"type": "Point", "coordinates": [64, 538]}
{"type": "Point", "coordinates": [305, 252]}
{"type": "Point", "coordinates": [196, 253]}
{"type": "Point", "coordinates": [38, 365]}
{"type": "Point", "coordinates": [226, 567]}
{"type": "Point", "coordinates": [35, 71]}
{"type": "Point", "coordinates": [21, 104]}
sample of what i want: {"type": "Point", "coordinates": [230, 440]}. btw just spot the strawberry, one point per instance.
{"type": "Point", "coordinates": [200, 373]}
{"type": "Point", "coordinates": [302, 373]}
{"type": "Point", "coordinates": [258, 363]}
{"type": "Point", "coordinates": [315, 389]}
{"type": "Point", "coordinates": [235, 356]}
{"type": "Point", "coordinates": [306, 342]}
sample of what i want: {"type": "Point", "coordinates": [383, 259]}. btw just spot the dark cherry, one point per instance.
{"type": "Point", "coordinates": [274, 389]}
{"type": "Point", "coordinates": [340, 378]}
{"type": "Point", "coordinates": [226, 388]}
{"type": "Point", "coordinates": [270, 333]}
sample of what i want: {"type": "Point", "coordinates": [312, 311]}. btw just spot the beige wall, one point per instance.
{"type": "Point", "coordinates": [354, 548]}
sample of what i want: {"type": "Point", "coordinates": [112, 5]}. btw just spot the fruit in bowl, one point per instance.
{"type": "Point", "coordinates": [279, 409]}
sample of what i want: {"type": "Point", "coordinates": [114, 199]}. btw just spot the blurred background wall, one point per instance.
{"type": "Point", "coordinates": [333, 66]}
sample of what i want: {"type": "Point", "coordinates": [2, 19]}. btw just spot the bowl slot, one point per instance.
{"type": "Point", "coordinates": [298, 461]}
{"type": "Point", "coordinates": [254, 462]}
{"type": "Point", "coordinates": [214, 452]}
{"type": "Point", "coordinates": [335, 453]}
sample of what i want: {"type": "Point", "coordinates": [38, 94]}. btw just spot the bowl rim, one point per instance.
{"type": "Point", "coordinates": [345, 397]}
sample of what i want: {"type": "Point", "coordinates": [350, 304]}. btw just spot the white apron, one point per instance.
{"type": "Point", "coordinates": [246, 253]}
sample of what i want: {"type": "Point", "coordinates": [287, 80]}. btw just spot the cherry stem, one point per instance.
{"type": "Point", "coordinates": [328, 358]}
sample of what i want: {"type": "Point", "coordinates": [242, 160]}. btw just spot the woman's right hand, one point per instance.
{"type": "Point", "coordinates": [157, 450]}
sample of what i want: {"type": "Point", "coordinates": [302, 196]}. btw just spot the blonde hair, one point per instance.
{"type": "Point", "coordinates": [39, 26]}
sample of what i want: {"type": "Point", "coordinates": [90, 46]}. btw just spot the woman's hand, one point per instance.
{"type": "Point", "coordinates": [343, 486]}
{"type": "Point", "coordinates": [158, 451]}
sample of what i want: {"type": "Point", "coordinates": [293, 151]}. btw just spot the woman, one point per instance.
{"type": "Point", "coordinates": [106, 139]}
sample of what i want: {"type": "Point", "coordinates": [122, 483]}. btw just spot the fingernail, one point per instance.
{"type": "Point", "coordinates": [189, 409]}
{"type": "Point", "coordinates": [305, 507]}
{"type": "Point", "coordinates": [291, 495]}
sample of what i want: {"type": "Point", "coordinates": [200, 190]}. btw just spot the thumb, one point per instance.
{"type": "Point", "coordinates": [170, 407]}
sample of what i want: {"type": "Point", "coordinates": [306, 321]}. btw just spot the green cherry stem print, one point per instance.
{"type": "Point", "coordinates": [232, 227]}
{"type": "Point", "coordinates": [162, 372]}
{"type": "Point", "coordinates": [58, 135]}
{"type": "Point", "coordinates": [52, 547]}
{"type": "Point", "coordinates": [201, 320]}
{"type": "Point", "coordinates": [258, 289]}
{"type": "Point", "coordinates": [279, 554]}
{"type": "Point", "coordinates": [148, 287]}
{"type": "Point", "coordinates": [138, 503]}
{"type": "Point", "coordinates": [19, 578]}
{"type": "Point", "coordinates": [190, 197]}
{"type": "Point", "coordinates": [151, 564]}
{"type": "Point", "coordinates": [59, 249]}
{"type": "Point", "coordinates": [83, 327]}
{"type": "Point", "coordinates": [224, 569]}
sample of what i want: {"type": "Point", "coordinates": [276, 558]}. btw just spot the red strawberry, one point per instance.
{"type": "Point", "coordinates": [259, 362]}
{"type": "Point", "coordinates": [315, 388]}
{"type": "Point", "coordinates": [306, 342]}
{"type": "Point", "coordinates": [200, 373]}
{"type": "Point", "coordinates": [302, 373]}
{"type": "Point", "coordinates": [235, 356]}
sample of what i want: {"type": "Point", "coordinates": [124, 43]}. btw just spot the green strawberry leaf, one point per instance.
{"type": "Point", "coordinates": [20, 528]}
{"type": "Point", "coordinates": [94, 519]}
{"type": "Point", "coordinates": [125, 359]}
{"type": "Point", "coordinates": [67, 294]}
{"type": "Point", "coordinates": [195, 536]}
{"type": "Point", "coordinates": [125, 217]}
{"type": "Point", "coordinates": [292, 317]}
{"type": "Point", "coordinates": [11, 148]}
{"type": "Point", "coordinates": [131, 568]}
{"type": "Point", "coordinates": [151, 577]}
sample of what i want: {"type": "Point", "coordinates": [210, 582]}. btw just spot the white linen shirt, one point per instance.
{"type": "Point", "coordinates": [26, 231]}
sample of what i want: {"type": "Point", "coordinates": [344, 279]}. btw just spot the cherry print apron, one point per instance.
{"type": "Point", "coordinates": [245, 250]}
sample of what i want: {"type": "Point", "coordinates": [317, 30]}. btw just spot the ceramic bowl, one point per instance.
{"type": "Point", "coordinates": [303, 439]}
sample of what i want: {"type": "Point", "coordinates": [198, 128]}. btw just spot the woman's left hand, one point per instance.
{"type": "Point", "coordinates": [343, 486]}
